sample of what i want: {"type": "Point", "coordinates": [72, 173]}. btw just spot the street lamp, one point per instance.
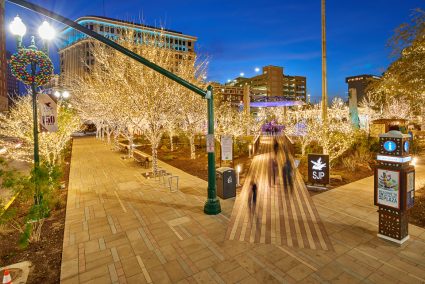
{"type": "Point", "coordinates": [18, 29]}
{"type": "Point", "coordinates": [257, 69]}
{"type": "Point", "coordinates": [238, 171]}
{"type": "Point", "coordinates": [46, 32]}
{"type": "Point", "coordinates": [62, 95]}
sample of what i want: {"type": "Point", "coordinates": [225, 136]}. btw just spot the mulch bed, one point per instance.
{"type": "Point", "coordinates": [46, 255]}
{"type": "Point", "coordinates": [180, 158]}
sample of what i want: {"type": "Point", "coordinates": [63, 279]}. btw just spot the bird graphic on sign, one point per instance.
{"type": "Point", "coordinates": [318, 165]}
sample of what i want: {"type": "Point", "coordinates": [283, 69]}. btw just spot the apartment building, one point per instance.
{"type": "Point", "coordinates": [76, 55]}
{"type": "Point", "coordinates": [272, 83]}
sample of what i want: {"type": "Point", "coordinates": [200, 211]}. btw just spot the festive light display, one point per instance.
{"type": "Point", "coordinates": [18, 124]}
{"type": "Point", "coordinates": [24, 57]}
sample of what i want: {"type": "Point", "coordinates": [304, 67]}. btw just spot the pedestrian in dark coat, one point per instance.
{"type": "Point", "coordinates": [252, 199]}
{"type": "Point", "coordinates": [287, 172]}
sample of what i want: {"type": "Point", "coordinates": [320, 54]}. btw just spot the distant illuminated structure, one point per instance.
{"type": "Point", "coordinates": [76, 51]}
{"type": "Point", "coordinates": [270, 89]}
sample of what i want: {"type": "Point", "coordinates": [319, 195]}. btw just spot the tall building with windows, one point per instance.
{"type": "Point", "coordinates": [75, 53]}
{"type": "Point", "coordinates": [272, 83]}
{"type": "Point", "coordinates": [3, 63]}
{"type": "Point", "coordinates": [12, 82]}
{"type": "Point", "coordinates": [357, 86]}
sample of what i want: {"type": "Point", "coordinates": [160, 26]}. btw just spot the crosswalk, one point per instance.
{"type": "Point", "coordinates": [281, 216]}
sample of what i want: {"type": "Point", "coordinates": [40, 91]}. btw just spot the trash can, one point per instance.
{"type": "Point", "coordinates": [226, 182]}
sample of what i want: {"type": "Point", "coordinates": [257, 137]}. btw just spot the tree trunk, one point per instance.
{"type": "Point", "coordinates": [130, 145]}
{"type": "Point", "coordinates": [423, 118]}
{"type": "Point", "coordinates": [171, 143]}
{"type": "Point", "coordinates": [155, 159]}
{"type": "Point", "coordinates": [108, 134]}
{"type": "Point", "coordinates": [98, 129]}
{"type": "Point", "coordinates": [303, 146]}
{"type": "Point", "coordinates": [192, 146]}
{"type": "Point", "coordinates": [116, 133]}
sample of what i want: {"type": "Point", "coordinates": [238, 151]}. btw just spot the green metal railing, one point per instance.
{"type": "Point", "coordinates": [212, 205]}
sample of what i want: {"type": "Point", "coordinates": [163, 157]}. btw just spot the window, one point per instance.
{"type": "Point", "coordinates": [101, 28]}
{"type": "Point", "coordinates": [106, 29]}
{"type": "Point", "coordinates": [91, 27]}
{"type": "Point", "coordinates": [112, 30]}
{"type": "Point", "coordinates": [189, 43]}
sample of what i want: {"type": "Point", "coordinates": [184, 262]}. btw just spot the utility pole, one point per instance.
{"type": "Point", "coordinates": [324, 81]}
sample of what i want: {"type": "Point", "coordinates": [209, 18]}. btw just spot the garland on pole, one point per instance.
{"type": "Point", "coordinates": [24, 57]}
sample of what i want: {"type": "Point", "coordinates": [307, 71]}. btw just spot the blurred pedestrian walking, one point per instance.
{"type": "Point", "coordinates": [275, 146]}
{"type": "Point", "coordinates": [252, 198]}
{"type": "Point", "coordinates": [273, 171]}
{"type": "Point", "coordinates": [288, 172]}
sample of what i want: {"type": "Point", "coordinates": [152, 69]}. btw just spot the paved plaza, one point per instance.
{"type": "Point", "coordinates": [123, 228]}
{"type": "Point", "coordinates": [282, 216]}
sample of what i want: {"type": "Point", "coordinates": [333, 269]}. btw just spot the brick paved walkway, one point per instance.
{"type": "Point", "coordinates": [122, 228]}
{"type": "Point", "coordinates": [281, 216]}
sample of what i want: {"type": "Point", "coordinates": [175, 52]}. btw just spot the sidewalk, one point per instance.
{"type": "Point", "coordinates": [123, 228]}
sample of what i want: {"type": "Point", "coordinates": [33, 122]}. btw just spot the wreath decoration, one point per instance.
{"type": "Point", "coordinates": [24, 57]}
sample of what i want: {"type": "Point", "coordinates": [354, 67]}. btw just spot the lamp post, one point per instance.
{"type": "Point", "coordinates": [62, 95]}
{"type": "Point", "coordinates": [46, 32]}
{"type": "Point", "coordinates": [238, 171]}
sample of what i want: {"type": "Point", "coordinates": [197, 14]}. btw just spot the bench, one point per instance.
{"type": "Point", "coordinates": [123, 147]}
{"type": "Point", "coordinates": [142, 158]}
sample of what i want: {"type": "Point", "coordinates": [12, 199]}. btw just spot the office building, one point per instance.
{"type": "Point", "coordinates": [357, 86]}
{"type": "Point", "coordinates": [12, 82]}
{"type": "Point", "coordinates": [272, 84]}
{"type": "Point", "coordinates": [3, 63]}
{"type": "Point", "coordinates": [270, 89]}
{"type": "Point", "coordinates": [75, 53]}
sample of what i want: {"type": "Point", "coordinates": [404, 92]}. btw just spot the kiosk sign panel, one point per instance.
{"type": "Point", "coordinates": [388, 188]}
{"type": "Point", "coordinates": [410, 187]}
{"type": "Point", "coordinates": [318, 168]}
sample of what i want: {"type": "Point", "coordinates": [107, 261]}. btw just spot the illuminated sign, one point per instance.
{"type": "Point", "coordinates": [406, 146]}
{"type": "Point", "coordinates": [393, 159]}
{"type": "Point", "coordinates": [318, 169]}
{"type": "Point", "coordinates": [390, 146]}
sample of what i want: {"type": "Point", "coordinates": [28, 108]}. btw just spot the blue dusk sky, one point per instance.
{"type": "Point", "coordinates": [238, 36]}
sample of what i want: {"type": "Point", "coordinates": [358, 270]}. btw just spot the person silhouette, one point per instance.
{"type": "Point", "coordinates": [252, 198]}
{"type": "Point", "coordinates": [287, 172]}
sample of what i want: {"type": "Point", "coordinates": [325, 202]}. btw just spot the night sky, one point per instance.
{"type": "Point", "coordinates": [238, 36]}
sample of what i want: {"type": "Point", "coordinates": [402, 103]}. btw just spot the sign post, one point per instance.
{"type": "Point", "coordinates": [394, 191]}
{"type": "Point", "coordinates": [318, 169]}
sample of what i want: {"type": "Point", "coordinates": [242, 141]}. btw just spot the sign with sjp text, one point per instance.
{"type": "Point", "coordinates": [318, 168]}
{"type": "Point", "coordinates": [226, 148]}
{"type": "Point", "coordinates": [48, 113]}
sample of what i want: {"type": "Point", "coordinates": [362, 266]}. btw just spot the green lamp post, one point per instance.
{"type": "Point", "coordinates": [46, 32]}
{"type": "Point", "coordinates": [212, 205]}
